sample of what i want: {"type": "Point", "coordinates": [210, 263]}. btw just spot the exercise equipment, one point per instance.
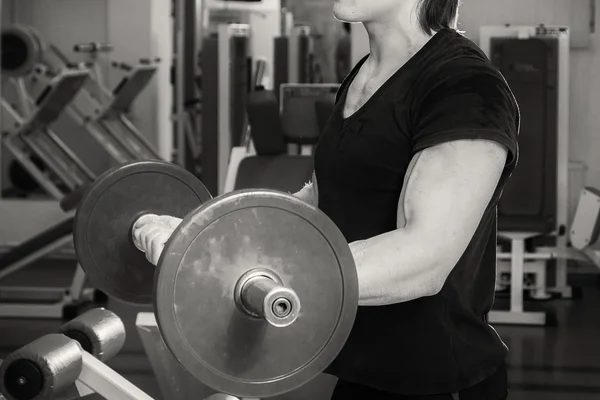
{"type": "Point", "coordinates": [225, 86]}
{"type": "Point", "coordinates": [585, 229]}
{"type": "Point", "coordinates": [267, 163]}
{"type": "Point", "coordinates": [50, 88]}
{"type": "Point", "coordinates": [99, 110]}
{"type": "Point", "coordinates": [40, 152]}
{"type": "Point", "coordinates": [21, 50]}
{"type": "Point", "coordinates": [534, 203]}
{"type": "Point", "coordinates": [176, 383]}
{"type": "Point", "coordinates": [69, 365]}
{"type": "Point", "coordinates": [305, 109]}
{"type": "Point", "coordinates": [247, 306]}
{"type": "Point", "coordinates": [107, 253]}
{"type": "Point", "coordinates": [294, 56]}
{"type": "Point", "coordinates": [29, 134]}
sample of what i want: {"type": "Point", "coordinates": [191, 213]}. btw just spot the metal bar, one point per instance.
{"type": "Point", "coordinates": [141, 139]}
{"type": "Point", "coordinates": [103, 138]}
{"type": "Point", "coordinates": [527, 256]}
{"type": "Point", "coordinates": [516, 318]}
{"type": "Point", "coordinates": [40, 147]}
{"type": "Point", "coordinates": [106, 382]}
{"type": "Point", "coordinates": [122, 137]}
{"type": "Point", "coordinates": [180, 58]}
{"type": "Point", "coordinates": [516, 275]}
{"type": "Point", "coordinates": [36, 255]}
{"type": "Point", "coordinates": [562, 204]}
{"type": "Point", "coordinates": [36, 173]}
{"type": "Point", "coordinates": [52, 311]}
{"type": "Point", "coordinates": [70, 154]}
{"type": "Point", "coordinates": [76, 288]}
{"type": "Point", "coordinates": [27, 294]}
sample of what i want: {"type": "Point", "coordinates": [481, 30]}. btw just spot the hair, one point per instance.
{"type": "Point", "coordinates": [435, 15]}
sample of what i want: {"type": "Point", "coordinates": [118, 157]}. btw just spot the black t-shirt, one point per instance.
{"type": "Point", "coordinates": [448, 91]}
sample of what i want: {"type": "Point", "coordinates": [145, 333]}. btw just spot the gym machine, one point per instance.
{"type": "Point", "coordinates": [103, 112]}
{"type": "Point", "coordinates": [225, 59]}
{"type": "Point", "coordinates": [234, 293]}
{"type": "Point", "coordinates": [100, 111]}
{"type": "Point", "coordinates": [70, 364]}
{"type": "Point", "coordinates": [535, 201]}
{"type": "Point", "coordinates": [305, 109]}
{"type": "Point", "coordinates": [26, 133]}
{"type": "Point", "coordinates": [276, 153]}
{"type": "Point", "coordinates": [294, 58]}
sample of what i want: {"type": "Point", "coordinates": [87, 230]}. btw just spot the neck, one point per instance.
{"type": "Point", "coordinates": [396, 39]}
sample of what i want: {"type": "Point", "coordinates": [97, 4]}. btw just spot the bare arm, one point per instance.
{"type": "Point", "coordinates": [309, 193]}
{"type": "Point", "coordinates": [445, 194]}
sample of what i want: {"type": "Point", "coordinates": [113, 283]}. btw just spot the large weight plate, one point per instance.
{"type": "Point", "coordinates": [21, 50]}
{"type": "Point", "coordinates": [212, 248]}
{"type": "Point", "coordinates": [106, 214]}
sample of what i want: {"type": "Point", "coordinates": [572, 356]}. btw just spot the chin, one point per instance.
{"type": "Point", "coordinates": [345, 13]}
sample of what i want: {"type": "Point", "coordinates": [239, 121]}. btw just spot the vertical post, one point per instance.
{"type": "Point", "coordinates": [562, 203]}
{"type": "Point", "coordinates": [516, 274]}
{"type": "Point", "coordinates": [180, 7]}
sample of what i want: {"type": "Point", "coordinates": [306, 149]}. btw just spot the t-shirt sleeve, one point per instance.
{"type": "Point", "coordinates": [473, 105]}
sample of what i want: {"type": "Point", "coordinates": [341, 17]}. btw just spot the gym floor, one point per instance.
{"type": "Point", "coordinates": [560, 362]}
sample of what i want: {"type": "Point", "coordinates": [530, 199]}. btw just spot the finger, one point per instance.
{"type": "Point", "coordinates": [158, 246]}
{"type": "Point", "coordinates": [149, 232]}
{"type": "Point", "coordinates": [168, 221]}
{"type": "Point", "coordinates": [144, 220]}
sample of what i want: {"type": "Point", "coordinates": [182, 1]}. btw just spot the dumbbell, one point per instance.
{"type": "Point", "coordinates": [255, 293]}
{"type": "Point", "coordinates": [50, 365]}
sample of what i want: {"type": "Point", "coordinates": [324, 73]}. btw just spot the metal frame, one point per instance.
{"type": "Point", "coordinates": [42, 302]}
{"type": "Point", "coordinates": [516, 314]}
{"type": "Point", "coordinates": [532, 266]}
{"type": "Point", "coordinates": [561, 252]}
{"type": "Point", "coordinates": [225, 33]}
{"type": "Point", "coordinates": [105, 381]}
{"type": "Point", "coordinates": [111, 128]}
{"type": "Point", "coordinates": [29, 133]}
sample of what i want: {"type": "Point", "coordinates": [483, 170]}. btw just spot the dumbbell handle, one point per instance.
{"type": "Point", "coordinates": [92, 47]}
{"type": "Point", "coordinates": [258, 293]}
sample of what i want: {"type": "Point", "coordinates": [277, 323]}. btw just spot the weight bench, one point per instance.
{"type": "Point", "coordinates": [43, 302]}
{"type": "Point", "coordinates": [264, 161]}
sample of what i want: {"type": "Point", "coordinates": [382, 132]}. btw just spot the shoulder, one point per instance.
{"type": "Point", "coordinates": [460, 65]}
{"type": "Point", "coordinates": [464, 75]}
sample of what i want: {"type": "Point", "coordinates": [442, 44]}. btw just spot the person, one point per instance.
{"type": "Point", "coordinates": [343, 55]}
{"type": "Point", "coordinates": [410, 167]}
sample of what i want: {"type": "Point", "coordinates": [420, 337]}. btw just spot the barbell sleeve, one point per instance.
{"type": "Point", "coordinates": [262, 296]}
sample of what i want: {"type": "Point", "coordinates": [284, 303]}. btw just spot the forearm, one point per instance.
{"type": "Point", "coordinates": [397, 267]}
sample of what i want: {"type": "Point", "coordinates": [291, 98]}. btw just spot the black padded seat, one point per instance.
{"type": "Point", "coordinates": [532, 224]}
{"type": "Point", "coordinates": [286, 173]}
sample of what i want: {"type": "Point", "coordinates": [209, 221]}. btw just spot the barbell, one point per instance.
{"type": "Point", "coordinates": [256, 291]}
